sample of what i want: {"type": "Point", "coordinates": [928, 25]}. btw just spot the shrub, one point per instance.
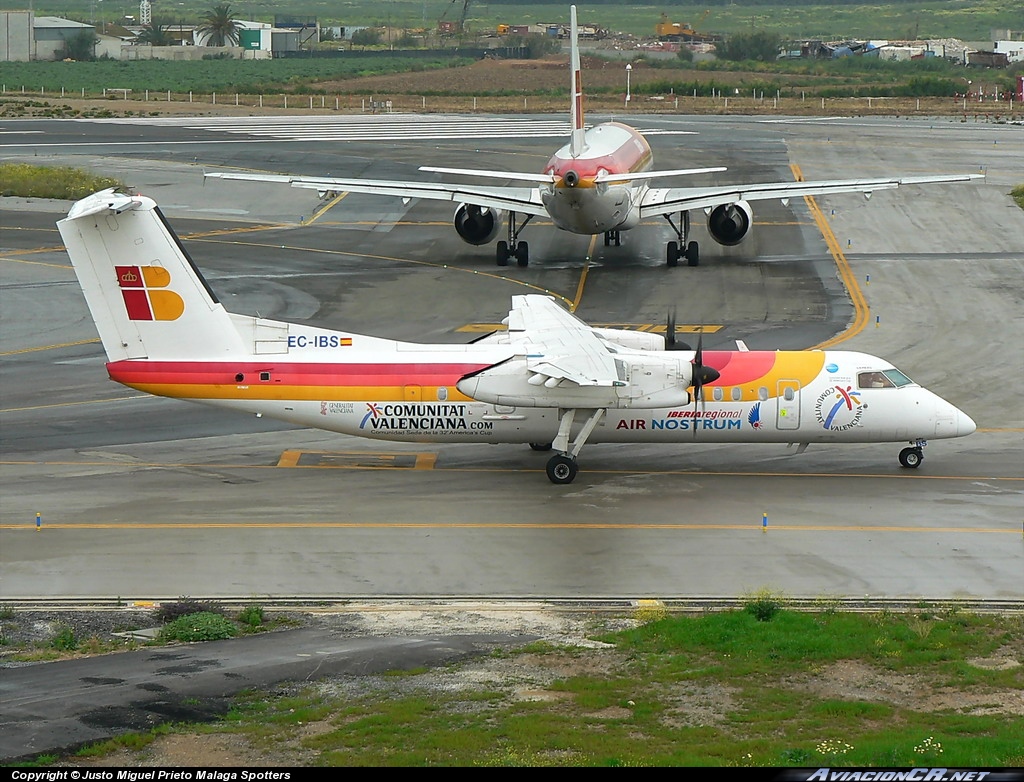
{"type": "Point", "coordinates": [183, 606]}
{"type": "Point", "coordinates": [252, 615]}
{"type": "Point", "coordinates": [65, 639]}
{"type": "Point", "coordinates": [763, 605]}
{"type": "Point", "coordinates": [203, 626]}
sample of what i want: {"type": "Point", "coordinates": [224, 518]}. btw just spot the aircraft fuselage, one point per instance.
{"type": "Point", "coordinates": [411, 395]}
{"type": "Point", "coordinates": [578, 203]}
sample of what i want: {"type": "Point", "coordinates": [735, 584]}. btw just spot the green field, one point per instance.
{"type": "Point", "coordinates": [252, 77]}
{"type": "Point", "coordinates": [971, 20]}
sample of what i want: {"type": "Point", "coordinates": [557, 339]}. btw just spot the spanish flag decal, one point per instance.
{"type": "Point", "coordinates": [144, 299]}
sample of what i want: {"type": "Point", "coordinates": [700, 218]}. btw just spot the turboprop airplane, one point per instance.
{"type": "Point", "coordinates": [548, 380]}
{"type": "Point", "coordinates": [598, 183]}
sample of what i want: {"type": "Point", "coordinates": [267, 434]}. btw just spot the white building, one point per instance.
{"type": "Point", "coordinates": [1014, 50]}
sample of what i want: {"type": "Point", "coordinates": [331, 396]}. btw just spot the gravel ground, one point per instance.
{"type": "Point", "coordinates": [521, 677]}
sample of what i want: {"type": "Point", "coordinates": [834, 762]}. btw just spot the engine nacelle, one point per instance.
{"type": "Point", "coordinates": [477, 224]}
{"type": "Point", "coordinates": [635, 340]}
{"type": "Point", "coordinates": [653, 383]}
{"type": "Point", "coordinates": [729, 224]}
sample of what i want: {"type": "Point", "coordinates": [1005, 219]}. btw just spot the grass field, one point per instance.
{"type": "Point", "coordinates": [761, 685]}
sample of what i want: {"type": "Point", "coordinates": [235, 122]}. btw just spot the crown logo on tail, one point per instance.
{"type": "Point", "coordinates": [143, 294]}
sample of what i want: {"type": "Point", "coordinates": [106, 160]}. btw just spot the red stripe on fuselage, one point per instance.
{"type": "Point", "coordinates": [631, 155]}
{"type": "Point", "coordinates": [225, 372]}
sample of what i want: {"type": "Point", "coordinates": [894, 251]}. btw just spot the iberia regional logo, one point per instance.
{"type": "Point", "coordinates": [142, 288]}
{"type": "Point", "coordinates": [839, 408]}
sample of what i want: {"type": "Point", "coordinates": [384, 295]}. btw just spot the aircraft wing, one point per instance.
{"type": "Point", "coordinates": [525, 200]}
{"type": "Point", "coordinates": [558, 345]}
{"type": "Point", "coordinates": [665, 200]}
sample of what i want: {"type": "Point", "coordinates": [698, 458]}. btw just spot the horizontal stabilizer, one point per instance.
{"type": "Point", "coordinates": [517, 175]}
{"type": "Point", "coordinates": [604, 176]}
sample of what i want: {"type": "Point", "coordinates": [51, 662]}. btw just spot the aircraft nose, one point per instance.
{"type": "Point", "coordinates": [964, 424]}
{"type": "Point", "coordinates": [571, 178]}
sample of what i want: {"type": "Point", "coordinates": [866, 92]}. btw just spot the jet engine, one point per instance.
{"type": "Point", "coordinates": [729, 224]}
{"type": "Point", "coordinates": [477, 224]}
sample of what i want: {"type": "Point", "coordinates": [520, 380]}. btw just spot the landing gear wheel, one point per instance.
{"type": "Point", "coordinates": [523, 254]}
{"type": "Point", "coordinates": [540, 446]}
{"type": "Point", "coordinates": [911, 458]}
{"type": "Point", "coordinates": [672, 254]}
{"type": "Point", "coordinates": [692, 254]}
{"type": "Point", "coordinates": [502, 253]}
{"type": "Point", "coordinates": [561, 469]}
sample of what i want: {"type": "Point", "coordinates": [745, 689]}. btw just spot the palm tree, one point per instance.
{"type": "Point", "coordinates": [219, 26]}
{"type": "Point", "coordinates": [156, 34]}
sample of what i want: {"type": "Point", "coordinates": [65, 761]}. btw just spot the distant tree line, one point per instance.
{"type": "Point", "coordinates": [720, 3]}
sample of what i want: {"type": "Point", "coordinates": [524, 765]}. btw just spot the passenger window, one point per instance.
{"type": "Point", "coordinates": [789, 394]}
{"type": "Point", "coordinates": [762, 394]}
{"type": "Point", "coordinates": [718, 394]}
{"type": "Point", "coordinates": [264, 376]}
{"type": "Point", "coordinates": [737, 393]}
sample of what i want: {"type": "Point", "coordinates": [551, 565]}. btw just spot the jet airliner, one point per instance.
{"type": "Point", "coordinates": [548, 380]}
{"type": "Point", "coordinates": [598, 183]}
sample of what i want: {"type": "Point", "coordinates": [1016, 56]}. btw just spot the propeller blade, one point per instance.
{"type": "Point", "coordinates": [671, 343]}
{"type": "Point", "coordinates": [701, 375]}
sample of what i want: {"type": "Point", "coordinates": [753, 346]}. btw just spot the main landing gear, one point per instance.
{"type": "Point", "coordinates": [912, 457]}
{"type": "Point", "coordinates": [513, 248]}
{"type": "Point", "coordinates": [561, 467]}
{"type": "Point", "coordinates": [682, 248]}
{"type": "Point", "coordinates": [612, 237]}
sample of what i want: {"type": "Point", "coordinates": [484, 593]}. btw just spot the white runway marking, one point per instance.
{"type": "Point", "coordinates": [389, 127]}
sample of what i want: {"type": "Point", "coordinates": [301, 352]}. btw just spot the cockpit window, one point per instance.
{"type": "Point", "coordinates": [898, 378]}
{"type": "Point", "coordinates": [888, 378]}
{"type": "Point", "coordinates": [874, 380]}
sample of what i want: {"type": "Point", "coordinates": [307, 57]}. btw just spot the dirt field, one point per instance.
{"type": "Point", "coordinates": [475, 88]}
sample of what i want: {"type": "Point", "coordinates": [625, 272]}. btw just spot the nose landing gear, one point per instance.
{"type": "Point", "coordinates": [912, 457]}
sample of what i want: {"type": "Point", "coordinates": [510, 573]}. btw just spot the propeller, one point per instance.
{"type": "Point", "coordinates": [701, 376]}
{"type": "Point", "coordinates": [670, 334]}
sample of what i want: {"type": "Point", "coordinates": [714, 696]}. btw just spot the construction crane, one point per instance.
{"type": "Point", "coordinates": [452, 28]}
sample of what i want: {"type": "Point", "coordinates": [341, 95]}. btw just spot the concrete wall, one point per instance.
{"type": "Point", "coordinates": [15, 36]}
{"type": "Point", "coordinates": [185, 53]}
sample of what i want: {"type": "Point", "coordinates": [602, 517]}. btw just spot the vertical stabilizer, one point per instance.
{"type": "Point", "coordinates": [577, 142]}
{"type": "Point", "coordinates": [146, 296]}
